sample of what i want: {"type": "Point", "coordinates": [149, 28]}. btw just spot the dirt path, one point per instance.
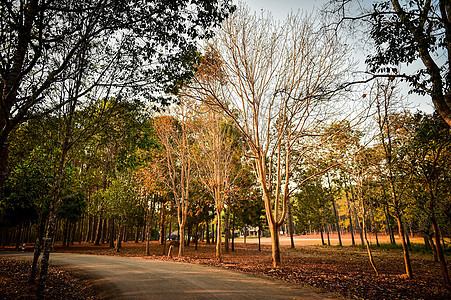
{"type": "Point", "coordinates": [133, 278]}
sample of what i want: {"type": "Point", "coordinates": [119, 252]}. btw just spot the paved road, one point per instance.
{"type": "Point", "coordinates": [132, 278]}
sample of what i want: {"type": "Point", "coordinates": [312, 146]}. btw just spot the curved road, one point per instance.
{"type": "Point", "coordinates": [133, 278]}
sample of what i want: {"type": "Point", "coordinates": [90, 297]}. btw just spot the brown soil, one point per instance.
{"type": "Point", "coordinates": [344, 270]}
{"type": "Point", "coordinates": [14, 274]}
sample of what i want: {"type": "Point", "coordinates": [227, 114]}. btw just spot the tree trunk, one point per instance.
{"type": "Point", "coordinates": [389, 228]}
{"type": "Point", "coordinates": [218, 235]}
{"type": "Point", "coordinates": [189, 233]}
{"type": "Point", "coordinates": [290, 227]}
{"type": "Point", "coordinates": [427, 245]}
{"type": "Point", "coordinates": [259, 242]}
{"type": "Point", "coordinates": [4, 154]}
{"type": "Point", "coordinates": [196, 236]}
{"type": "Point", "coordinates": [439, 250]}
{"type": "Point", "coordinates": [213, 235]}
{"type": "Point", "coordinates": [162, 233]}
{"type": "Point", "coordinates": [111, 230]}
{"type": "Point", "coordinates": [104, 231]}
{"type": "Point", "coordinates": [233, 232]}
{"type": "Point", "coordinates": [322, 236]}
{"type": "Point", "coordinates": [137, 234]}
{"type": "Point", "coordinates": [94, 229]}
{"type": "Point", "coordinates": [337, 221]}
{"type": "Point", "coordinates": [207, 234]}
{"type": "Point", "coordinates": [357, 223]}
{"type": "Point", "coordinates": [404, 246]}
{"type": "Point", "coordinates": [276, 261]}
{"type": "Point", "coordinates": [99, 231]}
{"type": "Point", "coordinates": [368, 249]}
{"type": "Point", "coordinates": [47, 245]}
{"type": "Point", "coordinates": [182, 239]}
{"type": "Point", "coordinates": [375, 226]}
{"type": "Point", "coordinates": [18, 236]}
{"type": "Point", "coordinates": [148, 227]}
{"type": "Point", "coordinates": [226, 229]}
{"type": "Point", "coordinates": [66, 234]}
{"type": "Point", "coordinates": [350, 218]}
{"type": "Point", "coordinates": [37, 249]}
{"type": "Point", "coordinates": [433, 247]}
{"type": "Point", "coordinates": [80, 228]}
{"type": "Point", "coordinates": [72, 236]}
{"type": "Point", "coordinates": [88, 234]}
{"type": "Point", "coordinates": [119, 237]}
{"type": "Point", "coordinates": [337, 224]}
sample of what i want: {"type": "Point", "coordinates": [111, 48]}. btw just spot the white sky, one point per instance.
{"type": "Point", "coordinates": [279, 10]}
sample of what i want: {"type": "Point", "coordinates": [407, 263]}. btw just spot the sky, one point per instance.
{"type": "Point", "coordinates": [281, 8]}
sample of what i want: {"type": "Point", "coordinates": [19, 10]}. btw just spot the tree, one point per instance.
{"type": "Point", "coordinates": [277, 84]}
{"type": "Point", "coordinates": [127, 46]}
{"type": "Point", "coordinates": [393, 135]}
{"type": "Point", "coordinates": [175, 137]}
{"type": "Point", "coordinates": [430, 149]}
{"type": "Point", "coordinates": [215, 157]}
{"type": "Point", "coordinates": [405, 31]}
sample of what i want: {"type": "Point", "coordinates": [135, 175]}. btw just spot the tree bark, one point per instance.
{"type": "Point", "coordinates": [37, 249]}
{"type": "Point", "coordinates": [162, 233]}
{"type": "Point", "coordinates": [350, 217]}
{"type": "Point", "coordinates": [388, 222]}
{"type": "Point", "coordinates": [439, 250]}
{"type": "Point", "coordinates": [94, 229]}
{"type": "Point", "coordinates": [111, 230]}
{"type": "Point", "coordinates": [259, 241]}
{"type": "Point", "coordinates": [404, 246]}
{"type": "Point", "coordinates": [233, 232]}
{"type": "Point", "coordinates": [47, 245]}
{"type": "Point", "coordinates": [207, 234]}
{"type": "Point", "coordinates": [368, 249]}
{"type": "Point", "coordinates": [4, 156]}
{"type": "Point", "coordinates": [88, 234]}
{"type": "Point", "coordinates": [433, 247]}
{"type": "Point", "coordinates": [337, 224]}
{"type": "Point", "coordinates": [18, 236]}
{"type": "Point", "coordinates": [137, 234]}
{"type": "Point", "coordinates": [226, 229]}
{"type": "Point", "coordinates": [275, 244]}
{"type": "Point", "coordinates": [325, 223]}
{"type": "Point", "coordinates": [119, 237]}
{"type": "Point", "coordinates": [213, 235]}
{"type": "Point", "coordinates": [104, 231]}
{"type": "Point", "coordinates": [99, 231]}
{"type": "Point", "coordinates": [218, 235]}
{"type": "Point", "coordinates": [65, 233]}
{"type": "Point", "coordinates": [290, 227]}
{"type": "Point", "coordinates": [182, 239]}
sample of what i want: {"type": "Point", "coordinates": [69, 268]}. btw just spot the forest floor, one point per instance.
{"type": "Point", "coordinates": [344, 270]}
{"type": "Point", "coordinates": [61, 284]}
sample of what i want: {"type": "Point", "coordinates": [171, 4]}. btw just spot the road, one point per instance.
{"type": "Point", "coordinates": [134, 278]}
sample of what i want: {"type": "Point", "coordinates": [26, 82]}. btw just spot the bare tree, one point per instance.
{"type": "Point", "coordinates": [277, 83]}
{"type": "Point", "coordinates": [216, 150]}
{"type": "Point", "coordinates": [391, 143]}
{"type": "Point", "coordinates": [175, 137]}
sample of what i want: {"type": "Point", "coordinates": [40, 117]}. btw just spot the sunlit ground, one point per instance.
{"type": "Point", "coordinates": [315, 239]}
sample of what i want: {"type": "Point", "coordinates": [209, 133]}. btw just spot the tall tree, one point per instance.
{"type": "Point", "coordinates": [214, 157]}
{"type": "Point", "coordinates": [175, 137]}
{"type": "Point", "coordinates": [392, 136]}
{"type": "Point", "coordinates": [430, 149]}
{"type": "Point", "coordinates": [145, 45]}
{"type": "Point", "coordinates": [276, 83]}
{"type": "Point", "coordinates": [406, 31]}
